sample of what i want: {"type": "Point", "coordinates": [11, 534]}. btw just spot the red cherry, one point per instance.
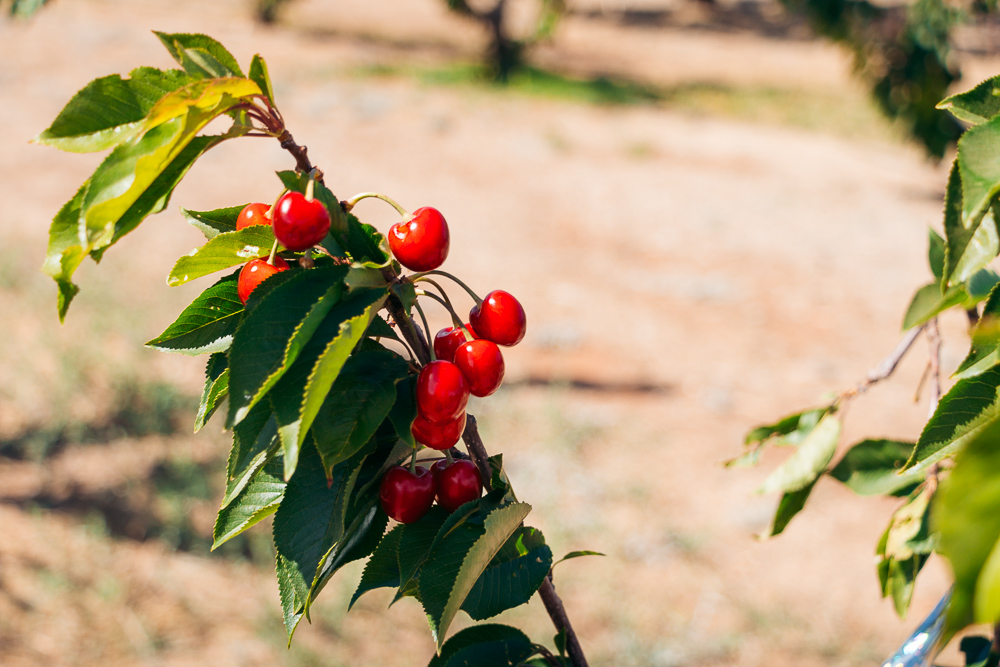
{"type": "Point", "coordinates": [300, 223]}
{"type": "Point", "coordinates": [438, 436]}
{"type": "Point", "coordinates": [499, 318]}
{"type": "Point", "coordinates": [482, 365]}
{"type": "Point", "coordinates": [457, 483]}
{"type": "Point", "coordinates": [448, 340]}
{"type": "Point", "coordinates": [406, 496]}
{"type": "Point", "coordinates": [442, 392]}
{"type": "Point", "coordinates": [254, 273]}
{"type": "Point", "coordinates": [253, 214]}
{"type": "Point", "coordinates": [420, 243]}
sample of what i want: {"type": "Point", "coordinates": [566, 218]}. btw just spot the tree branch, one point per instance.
{"type": "Point", "coordinates": [300, 153]}
{"type": "Point", "coordinates": [934, 342]}
{"type": "Point", "coordinates": [887, 366]}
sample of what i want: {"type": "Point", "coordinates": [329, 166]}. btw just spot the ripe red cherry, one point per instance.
{"type": "Point", "coordinates": [499, 318]}
{"type": "Point", "coordinates": [253, 214]}
{"type": "Point", "coordinates": [254, 273]}
{"type": "Point", "coordinates": [300, 223]}
{"type": "Point", "coordinates": [448, 340]}
{"type": "Point", "coordinates": [482, 365]}
{"type": "Point", "coordinates": [438, 436]}
{"type": "Point", "coordinates": [406, 496]}
{"type": "Point", "coordinates": [442, 392]}
{"type": "Point", "coordinates": [420, 243]}
{"type": "Point", "coordinates": [457, 483]}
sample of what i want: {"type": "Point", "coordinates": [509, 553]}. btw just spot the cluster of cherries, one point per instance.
{"type": "Point", "coordinates": [466, 358]}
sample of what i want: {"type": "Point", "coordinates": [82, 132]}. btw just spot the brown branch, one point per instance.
{"type": "Point", "coordinates": [554, 606]}
{"type": "Point", "coordinates": [887, 366]}
{"type": "Point", "coordinates": [996, 639]}
{"type": "Point", "coordinates": [934, 342]}
{"type": "Point", "coordinates": [300, 153]}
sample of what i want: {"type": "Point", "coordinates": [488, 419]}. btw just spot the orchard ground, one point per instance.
{"type": "Point", "coordinates": [691, 267]}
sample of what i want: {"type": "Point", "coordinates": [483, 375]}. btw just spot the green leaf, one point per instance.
{"type": "Point", "coordinates": [258, 499]}
{"type": "Point", "coordinates": [382, 569]}
{"type": "Point", "coordinates": [808, 461]}
{"type": "Point", "coordinates": [274, 332]}
{"type": "Point", "coordinates": [929, 302]}
{"type": "Point", "coordinates": [966, 518]}
{"type": "Point", "coordinates": [458, 559]}
{"type": "Point", "coordinates": [253, 442]}
{"type": "Point", "coordinates": [298, 182]}
{"type": "Point", "coordinates": [935, 253]}
{"type": "Point", "coordinates": [300, 393]}
{"type": "Point", "coordinates": [416, 542]}
{"type": "Point", "coordinates": [985, 350]}
{"type": "Point", "coordinates": [512, 576]}
{"type": "Point", "coordinates": [259, 75]}
{"type": "Point", "coordinates": [404, 409]}
{"type": "Point", "coordinates": [292, 604]}
{"type": "Point", "coordinates": [222, 251]}
{"type": "Point", "coordinates": [873, 467]}
{"type": "Point", "coordinates": [791, 503]}
{"type": "Point", "coordinates": [200, 55]}
{"type": "Point", "coordinates": [790, 430]}
{"type": "Point", "coordinates": [207, 324]}
{"type": "Point", "coordinates": [971, 243]}
{"type": "Point", "coordinates": [359, 400]}
{"type": "Point", "coordinates": [904, 548]}
{"type": "Point", "coordinates": [216, 388]}
{"type": "Point", "coordinates": [577, 554]}
{"type": "Point", "coordinates": [969, 406]}
{"type": "Point", "coordinates": [487, 645]}
{"type": "Point", "coordinates": [976, 650]}
{"type": "Point", "coordinates": [979, 166]}
{"type": "Point", "coordinates": [213, 223]}
{"type": "Point", "coordinates": [977, 105]}
{"type": "Point", "coordinates": [65, 253]}
{"type": "Point", "coordinates": [110, 110]}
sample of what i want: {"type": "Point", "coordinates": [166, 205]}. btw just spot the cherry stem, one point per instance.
{"type": "Point", "coordinates": [438, 272]}
{"type": "Point", "coordinates": [350, 203]}
{"type": "Point", "coordinates": [423, 318]}
{"type": "Point", "coordinates": [444, 302]}
{"type": "Point", "coordinates": [413, 462]}
{"type": "Point", "coordinates": [455, 319]}
{"type": "Point", "coordinates": [311, 185]}
{"type": "Point", "coordinates": [447, 455]}
{"type": "Point", "coordinates": [274, 251]}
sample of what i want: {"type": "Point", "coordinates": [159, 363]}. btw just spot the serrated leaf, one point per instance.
{"type": "Point", "coordinates": [110, 110]}
{"type": "Point", "coordinates": [223, 251]}
{"type": "Point", "coordinates": [961, 413]}
{"type": "Point", "coordinates": [291, 604]}
{"type": "Point", "coordinates": [904, 548]}
{"type": "Point", "coordinates": [259, 75]}
{"type": "Point", "coordinates": [487, 645]}
{"type": "Point", "coordinates": [979, 167]}
{"type": "Point", "coordinates": [382, 569]}
{"type": "Point", "coordinates": [966, 518]}
{"type": "Point", "coordinates": [207, 324]}
{"type": "Point", "coordinates": [65, 253]}
{"type": "Point", "coordinates": [984, 352]}
{"type": "Point", "coordinates": [977, 105]}
{"type": "Point", "coordinates": [971, 243]}
{"type": "Point", "coordinates": [299, 394]}
{"type": "Point", "coordinates": [929, 302]}
{"type": "Point", "coordinates": [808, 461]}
{"type": "Point", "coordinates": [358, 401]}
{"type": "Point", "coordinates": [258, 500]}
{"type": "Point", "coordinates": [254, 439]}
{"type": "Point", "coordinates": [458, 559]}
{"type": "Point", "coordinates": [213, 223]}
{"type": "Point", "coordinates": [216, 388]}
{"type": "Point", "coordinates": [416, 541]}
{"type": "Point", "coordinates": [875, 467]}
{"type": "Point", "coordinates": [404, 409]}
{"type": "Point", "coordinates": [512, 576]}
{"type": "Point", "coordinates": [935, 253]}
{"type": "Point", "coordinates": [200, 55]}
{"type": "Point", "coordinates": [275, 331]}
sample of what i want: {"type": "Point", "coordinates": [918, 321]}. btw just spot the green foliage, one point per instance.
{"type": "Point", "coordinates": [904, 548]}
{"type": "Point", "coordinates": [208, 324]}
{"type": "Point", "coordinates": [490, 645]}
{"type": "Point", "coordinates": [874, 467]}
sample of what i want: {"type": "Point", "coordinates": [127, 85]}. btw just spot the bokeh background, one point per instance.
{"type": "Point", "coordinates": [707, 219]}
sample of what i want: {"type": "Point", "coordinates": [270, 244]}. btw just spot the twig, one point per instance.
{"type": "Point", "coordinates": [554, 606]}
{"type": "Point", "coordinates": [934, 342]}
{"type": "Point", "coordinates": [300, 153]}
{"type": "Point", "coordinates": [887, 366]}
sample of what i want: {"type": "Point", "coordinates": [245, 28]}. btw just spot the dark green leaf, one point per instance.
{"type": "Point", "coordinates": [935, 254]}
{"type": "Point", "coordinates": [979, 166]}
{"type": "Point", "coordinates": [216, 388]}
{"type": "Point", "coordinates": [873, 467]}
{"type": "Point", "coordinates": [979, 286]}
{"type": "Point", "coordinates": [577, 554]}
{"type": "Point", "coordinates": [213, 223]}
{"type": "Point", "coordinates": [382, 569]}
{"type": "Point", "coordinates": [208, 324]}
{"type": "Point", "coordinates": [809, 460]}
{"type": "Point", "coordinates": [258, 500]}
{"type": "Point", "coordinates": [985, 350]}
{"type": "Point", "coordinates": [359, 400]}
{"type": "Point", "coordinates": [929, 302]}
{"type": "Point", "coordinates": [976, 650]}
{"type": "Point", "coordinates": [222, 251]}
{"type": "Point", "coordinates": [416, 542]}
{"type": "Point", "coordinates": [259, 75]}
{"type": "Point", "coordinates": [488, 645]}
{"type": "Point", "coordinates": [972, 243]}
{"type": "Point", "coordinates": [404, 409]}
{"type": "Point", "coordinates": [512, 577]}
{"type": "Point", "coordinates": [254, 439]}
{"type": "Point", "coordinates": [791, 503]}
{"type": "Point", "coordinates": [904, 548]}
{"type": "Point", "coordinates": [292, 598]}
{"type": "Point", "coordinates": [200, 55]}
{"type": "Point", "coordinates": [977, 105]}
{"type": "Point", "coordinates": [366, 244]}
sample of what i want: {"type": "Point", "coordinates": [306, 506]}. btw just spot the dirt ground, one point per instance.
{"type": "Point", "coordinates": [687, 274]}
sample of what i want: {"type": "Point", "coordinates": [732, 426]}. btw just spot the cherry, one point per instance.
{"type": "Point", "coordinates": [442, 392]}
{"type": "Point", "coordinates": [300, 223]}
{"type": "Point", "coordinates": [254, 273]}
{"type": "Point", "coordinates": [457, 483]}
{"type": "Point", "coordinates": [499, 318]}
{"type": "Point", "coordinates": [406, 496]}
{"type": "Point", "coordinates": [420, 243]}
{"type": "Point", "coordinates": [448, 340]}
{"type": "Point", "coordinates": [253, 214]}
{"type": "Point", "coordinates": [438, 436]}
{"type": "Point", "coordinates": [482, 365]}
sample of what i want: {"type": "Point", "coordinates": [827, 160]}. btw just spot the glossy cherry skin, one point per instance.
{"type": "Point", "coordinates": [420, 243]}
{"type": "Point", "coordinates": [448, 340]}
{"type": "Point", "coordinates": [299, 223]}
{"type": "Point", "coordinates": [254, 273]}
{"type": "Point", "coordinates": [253, 214]}
{"type": "Point", "coordinates": [499, 318]}
{"type": "Point", "coordinates": [406, 496]}
{"type": "Point", "coordinates": [457, 483]}
{"type": "Point", "coordinates": [438, 436]}
{"type": "Point", "coordinates": [442, 392]}
{"type": "Point", "coordinates": [482, 365]}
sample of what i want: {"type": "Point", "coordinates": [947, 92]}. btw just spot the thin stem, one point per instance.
{"type": "Point", "coordinates": [274, 251]}
{"type": "Point", "coordinates": [352, 202]}
{"type": "Point", "coordinates": [423, 318]}
{"type": "Point", "coordinates": [438, 272]}
{"type": "Point", "coordinates": [456, 320]}
{"type": "Point", "coordinates": [311, 185]}
{"type": "Point", "coordinates": [413, 461]}
{"type": "Point", "coordinates": [887, 366]}
{"type": "Point", "coordinates": [934, 342]}
{"type": "Point", "coordinates": [447, 455]}
{"type": "Point", "coordinates": [546, 655]}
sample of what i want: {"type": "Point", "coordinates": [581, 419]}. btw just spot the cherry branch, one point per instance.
{"type": "Point", "coordinates": [300, 153]}
{"type": "Point", "coordinates": [934, 343]}
{"type": "Point", "coordinates": [887, 366]}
